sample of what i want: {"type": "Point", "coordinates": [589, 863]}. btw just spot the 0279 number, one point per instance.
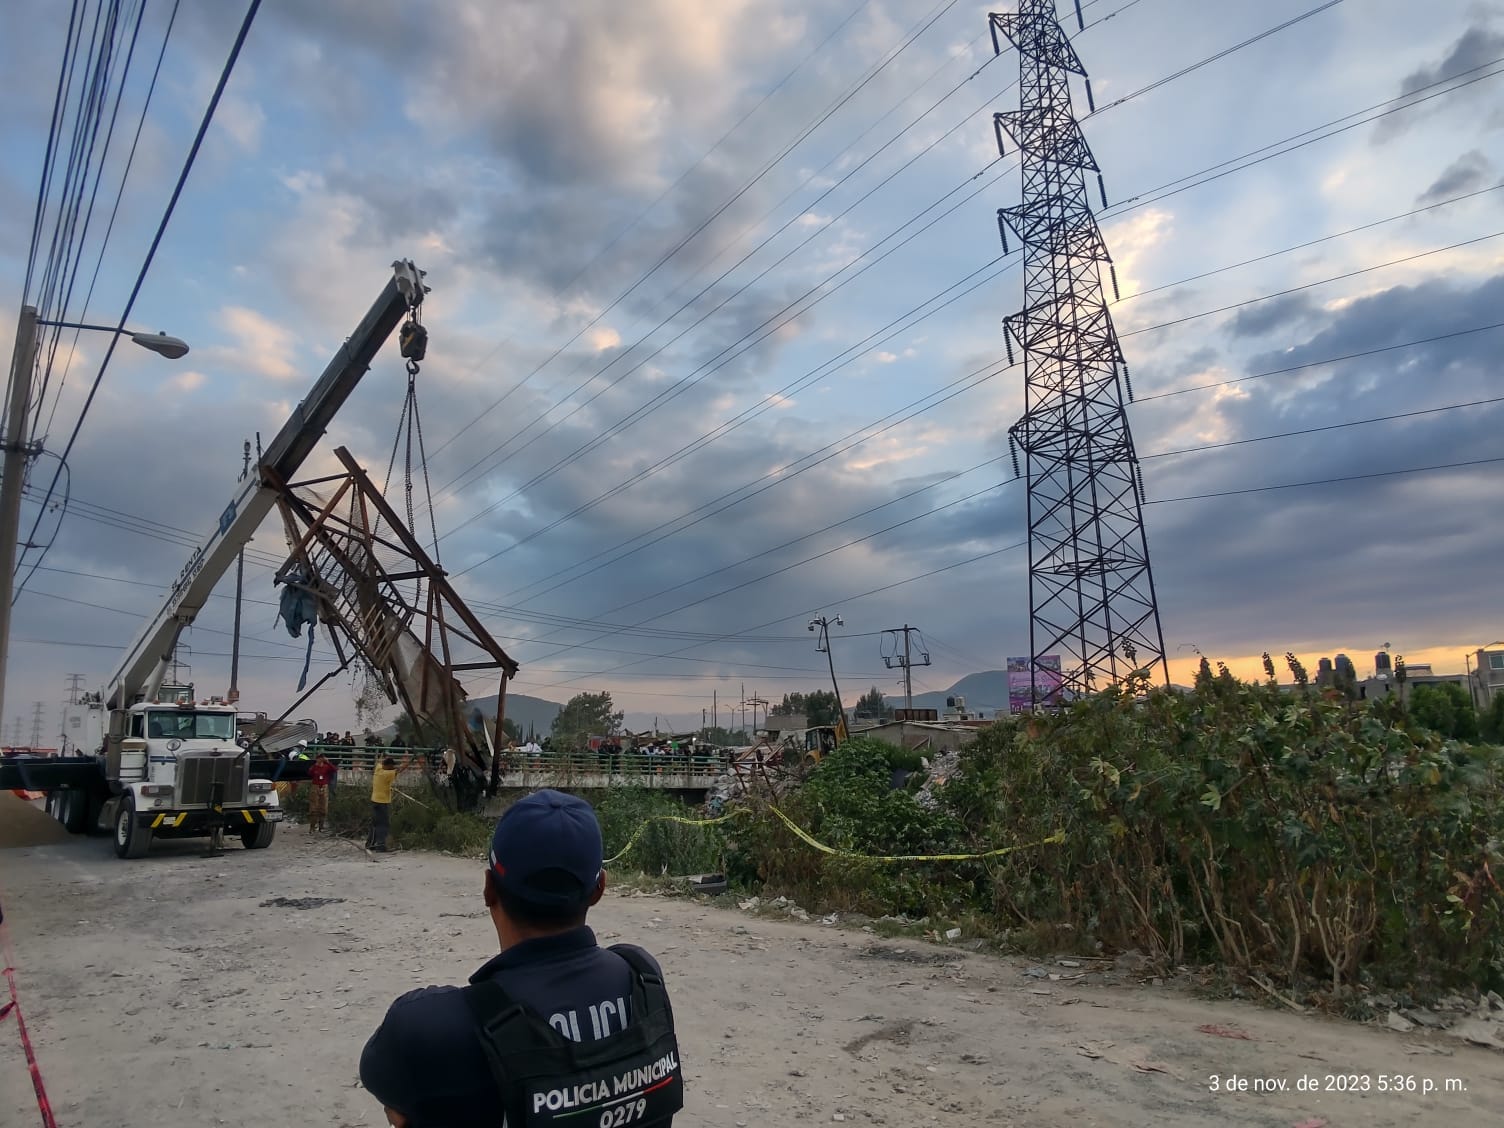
{"type": "Point", "coordinates": [624, 1113]}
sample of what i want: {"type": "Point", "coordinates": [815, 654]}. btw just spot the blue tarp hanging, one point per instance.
{"type": "Point", "coordinates": [299, 605]}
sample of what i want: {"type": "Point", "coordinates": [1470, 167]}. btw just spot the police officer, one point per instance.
{"type": "Point", "coordinates": [555, 1029]}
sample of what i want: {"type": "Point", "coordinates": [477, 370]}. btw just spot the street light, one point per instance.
{"type": "Point", "coordinates": [17, 450]}
{"type": "Point", "coordinates": [173, 348]}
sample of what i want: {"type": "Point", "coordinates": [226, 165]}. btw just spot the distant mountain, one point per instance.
{"type": "Point", "coordinates": [985, 693]}
{"type": "Point", "coordinates": [522, 710]}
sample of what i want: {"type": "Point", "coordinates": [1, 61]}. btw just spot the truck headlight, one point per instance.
{"type": "Point", "coordinates": [261, 785]}
{"type": "Point", "coordinates": [157, 791]}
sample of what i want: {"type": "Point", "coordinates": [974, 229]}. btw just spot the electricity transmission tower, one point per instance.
{"type": "Point", "coordinates": [36, 723]}
{"type": "Point", "coordinates": [905, 660]}
{"type": "Point", "coordinates": [75, 687]}
{"type": "Point", "coordinates": [1091, 591]}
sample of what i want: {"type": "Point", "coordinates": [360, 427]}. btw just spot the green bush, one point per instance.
{"type": "Point", "coordinates": [1297, 834]}
{"type": "Point", "coordinates": [848, 803]}
{"type": "Point", "coordinates": [663, 847]}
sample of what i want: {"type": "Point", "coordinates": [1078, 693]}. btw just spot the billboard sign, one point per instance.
{"type": "Point", "coordinates": [1024, 684]}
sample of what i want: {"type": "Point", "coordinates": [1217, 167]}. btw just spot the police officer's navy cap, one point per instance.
{"type": "Point", "coordinates": [546, 849]}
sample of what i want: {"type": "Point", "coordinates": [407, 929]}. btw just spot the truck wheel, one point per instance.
{"type": "Point", "coordinates": [131, 841]}
{"type": "Point", "coordinates": [258, 837]}
{"type": "Point", "coordinates": [95, 807]}
{"type": "Point", "coordinates": [73, 811]}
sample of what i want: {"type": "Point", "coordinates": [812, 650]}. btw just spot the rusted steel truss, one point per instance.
{"type": "Point", "coordinates": [380, 594]}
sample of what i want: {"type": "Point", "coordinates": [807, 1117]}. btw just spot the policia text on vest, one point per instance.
{"type": "Point", "coordinates": [555, 1030]}
{"type": "Point", "coordinates": [546, 1079]}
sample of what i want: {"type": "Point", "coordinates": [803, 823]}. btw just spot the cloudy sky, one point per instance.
{"type": "Point", "coordinates": [715, 326]}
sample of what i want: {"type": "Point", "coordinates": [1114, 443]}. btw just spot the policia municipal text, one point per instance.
{"type": "Point", "coordinates": [555, 1029]}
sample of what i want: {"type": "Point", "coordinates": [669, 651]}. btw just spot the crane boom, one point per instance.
{"type": "Point", "coordinates": [146, 661]}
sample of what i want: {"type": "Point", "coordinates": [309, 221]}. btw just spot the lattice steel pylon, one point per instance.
{"type": "Point", "coordinates": [1091, 590]}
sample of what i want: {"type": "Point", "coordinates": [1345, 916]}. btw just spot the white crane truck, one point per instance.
{"type": "Point", "coordinates": [169, 766]}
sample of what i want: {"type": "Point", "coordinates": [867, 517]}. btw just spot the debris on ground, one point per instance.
{"type": "Point", "coordinates": [938, 769]}
{"type": "Point", "coordinates": [301, 902]}
{"type": "Point", "coordinates": [1225, 1032]}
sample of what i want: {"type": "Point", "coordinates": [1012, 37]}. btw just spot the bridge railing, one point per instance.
{"type": "Point", "coordinates": [700, 762]}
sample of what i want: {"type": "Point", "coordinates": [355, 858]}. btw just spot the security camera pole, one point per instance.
{"type": "Point", "coordinates": [18, 451]}
{"type": "Point", "coordinates": [823, 625]}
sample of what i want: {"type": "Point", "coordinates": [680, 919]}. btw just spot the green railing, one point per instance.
{"type": "Point", "coordinates": [628, 762]}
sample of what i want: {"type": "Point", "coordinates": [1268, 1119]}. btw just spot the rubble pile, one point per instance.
{"type": "Point", "coordinates": [939, 768]}
{"type": "Point", "coordinates": [1479, 1021]}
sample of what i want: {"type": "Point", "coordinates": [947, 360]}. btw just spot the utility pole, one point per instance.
{"type": "Point", "coordinates": [755, 700]}
{"type": "Point", "coordinates": [823, 625]}
{"type": "Point", "coordinates": [715, 709]}
{"type": "Point", "coordinates": [17, 452]}
{"type": "Point", "coordinates": [234, 694]}
{"type": "Point", "coordinates": [1091, 591]}
{"type": "Point", "coordinates": [905, 660]}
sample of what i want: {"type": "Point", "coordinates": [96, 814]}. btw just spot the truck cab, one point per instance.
{"type": "Point", "coordinates": [180, 772]}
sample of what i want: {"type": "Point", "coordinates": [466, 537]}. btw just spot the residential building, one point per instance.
{"type": "Point", "coordinates": [1488, 674]}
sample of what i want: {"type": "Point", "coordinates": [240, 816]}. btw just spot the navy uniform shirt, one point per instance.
{"type": "Point", "coordinates": [425, 1059]}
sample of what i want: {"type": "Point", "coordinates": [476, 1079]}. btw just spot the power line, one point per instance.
{"type": "Point", "coordinates": [1220, 55]}
{"type": "Point", "coordinates": [788, 471]}
{"type": "Point", "coordinates": [1318, 430]}
{"type": "Point", "coordinates": [1327, 481]}
{"type": "Point", "coordinates": [1311, 285]}
{"type": "Point", "coordinates": [993, 553]}
{"type": "Point", "coordinates": [1310, 243]}
{"type": "Point", "coordinates": [1320, 363]}
{"type": "Point", "coordinates": [632, 225]}
{"type": "Point", "coordinates": [668, 395]}
{"type": "Point", "coordinates": [783, 473]}
{"type": "Point", "coordinates": [562, 647]}
{"type": "Point", "coordinates": [972, 496]}
{"type": "Point", "coordinates": [671, 393]}
{"type": "Point", "coordinates": [156, 242]}
{"type": "Point", "coordinates": [1304, 138]}
{"type": "Point", "coordinates": [587, 447]}
{"type": "Point", "coordinates": [114, 213]}
{"type": "Point", "coordinates": [596, 623]}
{"type": "Point", "coordinates": [78, 236]}
{"type": "Point", "coordinates": [804, 134]}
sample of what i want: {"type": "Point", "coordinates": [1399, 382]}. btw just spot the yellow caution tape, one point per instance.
{"type": "Point", "coordinates": [809, 840]}
{"type": "Point", "coordinates": [636, 834]}
{"type": "Point", "coordinates": [805, 837]}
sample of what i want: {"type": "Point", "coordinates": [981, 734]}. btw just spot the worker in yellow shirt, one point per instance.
{"type": "Point", "coordinates": [383, 778]}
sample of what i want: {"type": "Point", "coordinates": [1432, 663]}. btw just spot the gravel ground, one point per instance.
{"type": "Point", "coordinates": [177, 991]}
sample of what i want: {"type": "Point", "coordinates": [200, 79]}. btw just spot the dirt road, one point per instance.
{"type": "Point", "coordinates": [174, 992]}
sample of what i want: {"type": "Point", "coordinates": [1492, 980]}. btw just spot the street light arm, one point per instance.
{"type": "Point", "coordinates": [160, 343]}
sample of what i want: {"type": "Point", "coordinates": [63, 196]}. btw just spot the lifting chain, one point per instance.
{"type": "Point", "coordinates": [413, 341]}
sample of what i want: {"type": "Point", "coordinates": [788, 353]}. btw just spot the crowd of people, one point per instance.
{"type": "Point", "coordinates": [617, 754]}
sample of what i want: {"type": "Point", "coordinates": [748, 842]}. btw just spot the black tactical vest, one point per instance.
{"type": "Point", "coordinates": [627, 1080]}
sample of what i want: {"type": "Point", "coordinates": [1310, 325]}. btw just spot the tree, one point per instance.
{"type": "Point", "coordinates": [873, 704]}
{"type": "Point", "coordinates": [818, 707]}
{"type": "Point", "coordinates": [792, 703]}
{"type": "Point", "coordinates": [1491, 722]}
{"type": "Point", "coordinates": [583, 716]}
{"type": "Point", "coordinates": [1445, 708]}
{"type": "Point", "coordinates": [821, 708]}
